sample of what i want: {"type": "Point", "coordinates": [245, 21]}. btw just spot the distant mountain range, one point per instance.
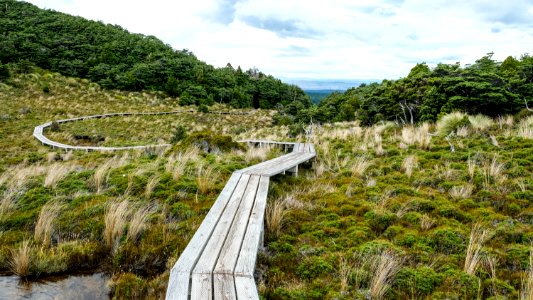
{"type": "Point", "coordinates": [328, 84]}
{"type": "Point", "coordinates": [319, 89]}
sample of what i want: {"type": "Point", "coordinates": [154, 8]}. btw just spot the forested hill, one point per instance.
{"type": "Point", "coordinates": [115, 58]}
{"type": "Point", "coordinates": [486, 87]}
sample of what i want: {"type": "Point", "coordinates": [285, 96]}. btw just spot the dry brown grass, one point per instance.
{"type": "Point", "coordinates": [205, 178]}
{"type": "Point", "coordinates": [256, 153]}
{"type": "Point", "coordinates": [44, 226]}
{"type": "Point", "coordinates": [150, 186]}
{"type": "Point", "coordinates": [384, 269]}
{"type": "Point", "coordinates": [360, 165]}
{"type": "Point", "coordinates": [20, 261]}
{"type": "Point", "coordinates": [526, 291]}
{"type": "Point", "coordinates": [116, 218]}
{"type": "Point", "coordinates": [426, 222]}
{"type": "Point", "coordinates": [409, 164]}
{"type": "Point", "coordinates": [525, 128]}
{"type": "Point", "coordinates": [344, 271]}
{"type": "Point", "coordinates": [493, 172]}
{"type": "Point", "coordinates": [138, 222]}
{"type": "Point", "coordinates": [461, 191]}
{"type": "Point", "coordinates": [7, 203]}
{"type": "Point", "coordinates": [478, 236]}
{"type": "Point", "coordinates": [55, 173]}
{"type": "Point", "coordinates": [275, 216]}
{"type": "Point", "coordinates": [99, 177]}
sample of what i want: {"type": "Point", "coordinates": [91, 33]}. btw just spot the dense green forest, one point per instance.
{"type": "Point", "coordinates": [485, 87]}
{"type": "Point", "coordinates": [116, 59]}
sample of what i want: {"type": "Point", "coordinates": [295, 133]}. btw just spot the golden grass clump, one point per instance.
{"type": "Point", "coordinates": [383, 270]}
{"type": "Point", "coordinates": [493, 172]}
{"type": "Point", "coordinates": [480, 122]}
{"type": "Point", "coordinates": [449, 123]}
{"type": "Point", "coordinates": [256, 153]}
{"type": "Point", "coordinates": [44, 226]}
{"type": "Point", "coordinates": [426, 222]}
{"type": "Point", "coordinates": [20, 262]}
{"type": "Point", "coordinates": [99, 177]}
{"type": "Point", "coordinates": [115, 219]}
{"type": "Point", "coordinates": [275, 216]}
{"type": "Point", "coordinates": [409, 164]}
{"type": "Point", "coordinates": [525, 128]}
{"type": "Point", "coordinates": [55, 173]}
{"type": "Point", "coordinates": [205, 178]}
{"type": "Point", "coordinates": [138, 222]}
{"type": "Point", "coordinates": [461, 191]}
{"type": "Point", "coordinates": [150, 186]}
{"type": "Point", "coordinates": [360, 165]}
{"type": "Point", "coordinates": [478, 237]}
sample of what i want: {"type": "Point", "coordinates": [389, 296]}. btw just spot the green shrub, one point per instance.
{"type": "Point", "coordinates": [378, 222]}
{"type": "Point", "coordinates": [180, 133]}
{"type": "Point", "coordinates": [410, 282]}
{"type": "Point", "coordinates": [210, 142]}
{"type": "Point", "coordinates": [313, 267]}
{"type": "Point", "coordinates": [448, 241]}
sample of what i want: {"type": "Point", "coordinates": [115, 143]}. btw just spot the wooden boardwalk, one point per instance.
{"type": "Point", "coordinates": [219, 261]}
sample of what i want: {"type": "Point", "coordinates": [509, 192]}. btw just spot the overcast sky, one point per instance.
{"type": "Point", "coordinates": [348, 39]}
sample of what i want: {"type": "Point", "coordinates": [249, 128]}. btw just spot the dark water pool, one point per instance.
{"type": "Point", "coordinates": [78, 287]}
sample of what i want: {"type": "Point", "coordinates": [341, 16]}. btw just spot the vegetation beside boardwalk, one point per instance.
{"type": "Point", "coordinates": [438, 210]}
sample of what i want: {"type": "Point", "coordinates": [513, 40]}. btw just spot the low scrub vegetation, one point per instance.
{"type": "Point", "coordinates": [424, 211]}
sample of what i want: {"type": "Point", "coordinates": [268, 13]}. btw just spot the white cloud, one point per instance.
{"type": "Point", "coordinates": [317, 39]}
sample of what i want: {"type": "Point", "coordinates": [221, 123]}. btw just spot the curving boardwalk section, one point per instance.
{"type": "Point", "coordinates": [219, 261]}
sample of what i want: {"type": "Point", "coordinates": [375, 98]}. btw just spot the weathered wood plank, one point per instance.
{"type": "Point", "coordinates": [209, 256]}
{"type": "Point", "coordinates": [246, 288]}
{"type": "Point", "coordinates": [229, 254]}
{"type": "Point", "coordinates": [192, 252]}
{"type": "Point", "coordinates": [247, 256]}
{"type": "Point", "coordinates": [224, 287]}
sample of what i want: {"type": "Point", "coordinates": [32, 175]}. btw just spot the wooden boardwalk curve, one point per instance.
{"type": "Point", "coordinates": [219, 261]}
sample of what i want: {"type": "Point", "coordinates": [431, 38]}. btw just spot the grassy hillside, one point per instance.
{"type": "Point", "coordinates": [117, 59]}
{"type": "Point", "coordinates": [437, 211]}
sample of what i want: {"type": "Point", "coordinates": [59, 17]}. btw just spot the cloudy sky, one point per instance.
{"type": "Point", "coordinates": [341, 39]}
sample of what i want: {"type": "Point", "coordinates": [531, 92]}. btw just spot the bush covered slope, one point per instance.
{"type": "Point", "coordinates": [486, 87]}
{"type": "Point", "coordinates": [115, 58]}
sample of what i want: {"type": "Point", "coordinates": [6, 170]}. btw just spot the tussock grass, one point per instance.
{"type": "Point", "coordinates": [409, 164]}
{"type": "Point", "coordinates": [55, 173]}
{"type": "Point", "coordinates": [256, 153]}
{"type": "Point", "coordinates": [449, 123]}
{"type": "Point", "coordinates": [7, 203]}
{"type": "Point", "coordinates": [525, 128]}
{"type": "Point", "coordinates": [150, 186]}
{"type": "Point", "coordinates": [115, 219]}
{"type": "Point", "coordinates": [360, 165]}
{"type": "Point", "coordinates": [493, 172]}
{"type": "Point", "coordinates": [384, 269]}
{"type": "Point", "coordinates": [44, 226]}
{"type": "Point", "coordinates": [345, 269]}
{"type": "Point", "coordinates": [276, 212]}
{"type": "Point", "coordinates": [20, 262]}
{"type": "Point", "coordinates": [419, 136]}
{"type": "Point", "coordinates": [426, 222]}
{"type": "Point", "coordinates": [461, 191]}
{"type": "Point", "coordinates": [139, 222]}
{"type": "Point", "coordinates": [205, 178]}
{"type": "Point", "coordinates": [480, 122]}
{"type": "Point", "coordinates": [526, 291]}
{"type": "Point", "coordinates": [99, 177]}
{"type": "Point", "coordinates": [478, 236]}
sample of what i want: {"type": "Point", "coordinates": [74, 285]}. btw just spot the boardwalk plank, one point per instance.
{"type": "Point", "coordinates": [190, 255]}
{"type": "Point", "coordinates": [228, 258]}
{"type": "Point", "coordinates": [248, 254]}
{"type": "Point", "coordinates": [246, 288]}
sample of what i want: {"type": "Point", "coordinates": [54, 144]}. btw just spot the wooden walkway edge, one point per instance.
{"type": "Point", "coordinates": [219, 261]}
